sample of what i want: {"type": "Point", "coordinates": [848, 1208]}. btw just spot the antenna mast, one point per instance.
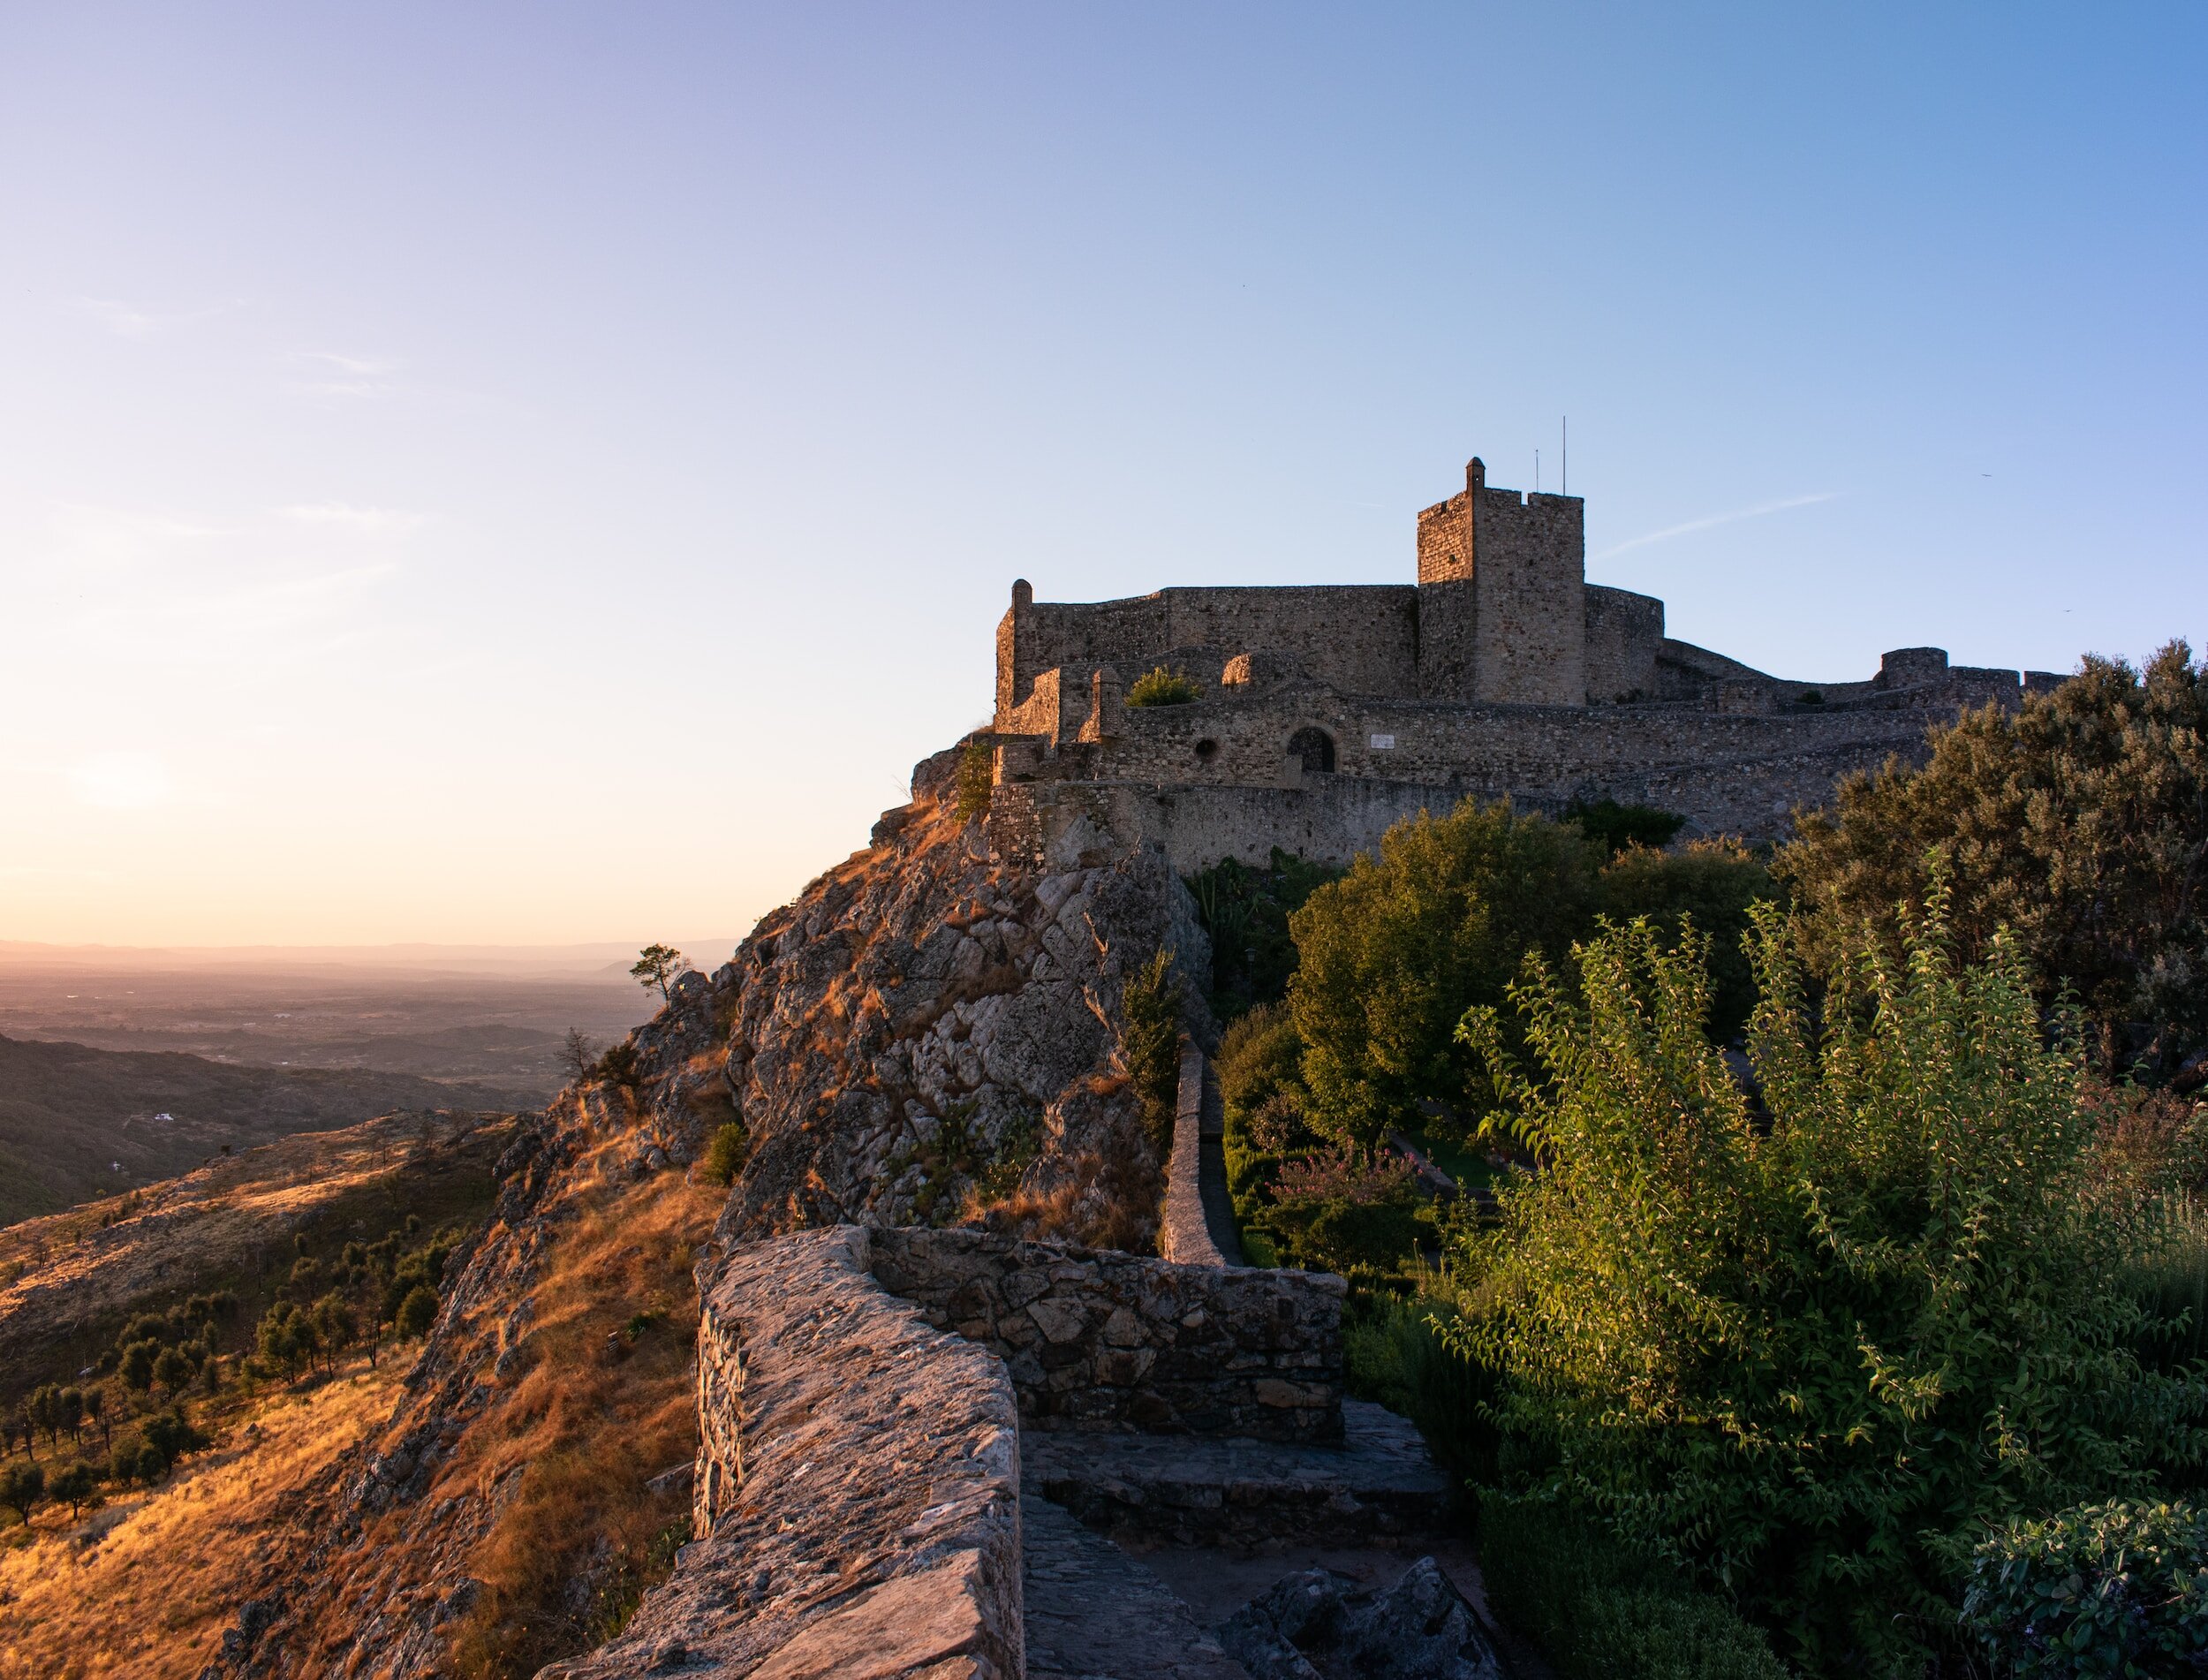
{"type": "Point", "coordinates": [1568, 455]}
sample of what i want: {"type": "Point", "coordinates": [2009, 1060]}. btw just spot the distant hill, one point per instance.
{"type": "Point", "coordinates": [77, 1123]}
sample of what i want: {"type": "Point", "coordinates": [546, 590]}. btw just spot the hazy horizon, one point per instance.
{"type": "Point", "coordinates": [542, 477]}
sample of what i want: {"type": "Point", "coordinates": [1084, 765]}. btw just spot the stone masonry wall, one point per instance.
{"type": "Point", "coordinates": [1361, 637]}
{"type": "Point", "coordinates": [857, 1492]}
{"type": "Point", "coordinates": [1530, 573]}
{"type": "Point", "coordinates": [1099, 1340]}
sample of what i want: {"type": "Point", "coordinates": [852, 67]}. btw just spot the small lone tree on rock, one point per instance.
{"type": "Point", "coordinates": [660, 965]}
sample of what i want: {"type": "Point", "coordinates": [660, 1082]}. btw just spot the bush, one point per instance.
{"type": "Point", "coordinates": [616, 1066]}
{"type": "Point", "coordinates": [1600, 1609]}
{"type": "Point", "coordinates": [1395, 951]}
{"type": "Point", "coordinates": [977, 780]}
{"type": "Point", "coordinates": [725, 1153]}
{"type": "Point", "coordinates": [1337, 1212]}
{"type": "Point", "coordinates": [2079, 823]}
{"type": "Point", "coordinates": [1817, 1344]}
{"type": "Point", "coordinates": [1161, 687]}
{"type": "Point", "coordinates": [1150, 1008]}
{"type": "Point", "coordinates": [2113, 1589]}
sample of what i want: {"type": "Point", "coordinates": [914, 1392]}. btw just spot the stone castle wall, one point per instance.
{"type": "Point", "coordinates": [1361, 637]}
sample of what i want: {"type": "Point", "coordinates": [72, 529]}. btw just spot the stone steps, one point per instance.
{"type": "Point", "coordinates": [1380, 1486]}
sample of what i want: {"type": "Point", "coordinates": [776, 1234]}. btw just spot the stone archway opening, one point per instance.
{"type": "Point", "coordinates": [1312, 748]}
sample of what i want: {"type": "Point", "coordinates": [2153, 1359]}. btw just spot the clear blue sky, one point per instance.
{"type": "Point", "coordinates": [545, 473]}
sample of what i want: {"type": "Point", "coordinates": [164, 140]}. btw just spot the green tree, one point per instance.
{"type": "Point", "coordinates": [416, 1311]}
{"type": "Point", "coordinates": [1815, 1343]}
{"type": "Point", "coordinates": [659, 966]}
{"type": "Point", "coordinates": [2080, 822]}
{"type": "Point", "coordinates": [173, 1369]}
{"type": "Point", "coordinates": [1395, 952]}
{"type": "Point", "coordinates": [136, 1367]}
{"type": "Point", "coordinates": [74, 1486]}
{"type": "Point", "coordinates": [21, 1488]}
{"type": "Point", "coordinates": [95, 1411]}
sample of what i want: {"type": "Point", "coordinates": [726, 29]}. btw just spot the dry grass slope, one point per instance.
{"type": "Point", "coordinates": [144, 1588]}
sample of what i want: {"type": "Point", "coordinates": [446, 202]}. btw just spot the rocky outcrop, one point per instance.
{"type": "Point", "coordinates": [857, 1496]}
{"type": "Point", "coordinates": [929, 1027]}
{"type": "Point", "coordinates": [1106, 1341]}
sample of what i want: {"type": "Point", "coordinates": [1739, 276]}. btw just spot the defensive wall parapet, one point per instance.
{"type": "Point", "coordinates": [856, 1500]}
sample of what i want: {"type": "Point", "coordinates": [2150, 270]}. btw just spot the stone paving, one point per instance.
{"type": "Point", "coordinates": [1094, 1613]}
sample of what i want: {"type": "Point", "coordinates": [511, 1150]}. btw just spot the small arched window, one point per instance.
{"type": "Point", "coordinates": [1314, 748]}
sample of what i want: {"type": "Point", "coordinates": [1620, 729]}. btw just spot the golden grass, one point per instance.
{"type": "Point", "coordinates": [607, 1403]}
{"type": "Point", "coordinates": [145, 1587]}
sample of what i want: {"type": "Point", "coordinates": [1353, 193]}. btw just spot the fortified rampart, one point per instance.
{"type": "Point", "coordinates": [1324, 714]}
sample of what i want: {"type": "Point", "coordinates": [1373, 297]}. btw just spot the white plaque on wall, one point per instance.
{"type": "Point", "coordinates": [1383, 743]}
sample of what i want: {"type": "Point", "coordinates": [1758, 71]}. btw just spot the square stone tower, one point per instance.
{"type": "Point", "coordinates": [1502, 596]}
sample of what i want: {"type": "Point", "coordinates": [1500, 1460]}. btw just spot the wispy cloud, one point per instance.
{"type": "Point", "coordinates": [129, 320]}
{"type": "Point", "coordinates": [344, 516]}
{"type": "Point", "coordinates": [1714, 519]}
{"type": "Point", "coordinates": [328, 374]}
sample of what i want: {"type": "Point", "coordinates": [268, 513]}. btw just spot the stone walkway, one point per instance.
{"type": "Point", "coordinates": [1094, 1613]}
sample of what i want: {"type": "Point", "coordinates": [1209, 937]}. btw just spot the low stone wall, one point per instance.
{"type": "Point", "coordinates": [1184, 1233]}
{"type": "Point", "coordinates": [857, 1492]}
{"type": "Point", "coordinates": [1098, 1340]}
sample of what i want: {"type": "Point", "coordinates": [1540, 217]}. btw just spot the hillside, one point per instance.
{"type": "Point", "coordinates": [77, 1123]}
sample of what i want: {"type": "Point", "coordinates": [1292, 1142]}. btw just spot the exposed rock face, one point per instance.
{"type": "Point", "coordinates": [858, 1502]}
{"type": "Point", "coordinates": [927, 1015]}
{"type": "Point", "coordinates": [1319, 1625]}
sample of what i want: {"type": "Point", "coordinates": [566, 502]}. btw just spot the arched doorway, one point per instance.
{"type": "Point", "coordinates": [1314, 748]}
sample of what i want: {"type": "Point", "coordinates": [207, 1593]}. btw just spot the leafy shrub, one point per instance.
{"type": "Point", "coordinates": [1815, 1346]}
{"type": "Point", "coordinates": [2113, 1589]}
{"type": "Point", "coordinates": [1150, 1045]}
{"type": "Point", "coordinates": [725, 1153]}
{"type": "Point", "coordinates": [616, 1066]}
{"type": "Point", "coordinates": [1395, 951]}
{"type": "Point", "coordinates": [1603, 1611]}
{"type": "Point", "coordinates": [977, 779]}
{"type": "Point", "coordinates": [1245, 910]}
{"type": "Point", "coordinates": [1334, 1211]}
{"type": "Point", "coordinates": [1161, 687]}
{"type": "Point", "coordinates": [2079, 823]}
{"type": "Point", "coordinates": [1614, 827]}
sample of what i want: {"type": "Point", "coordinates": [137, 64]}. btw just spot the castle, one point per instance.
{"type": "Point", "coordinates": [1326, 713]}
